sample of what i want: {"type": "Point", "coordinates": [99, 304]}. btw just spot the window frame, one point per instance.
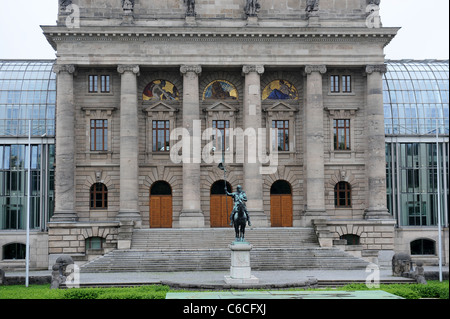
{"type": "Point", "coordinates": [284, 129]}
{"type": "Point", "coordinates": [347, 192]}
{"type": "Point", "coordinates": [335, 83]}
{"type": "Point", "coordinates": [156, 134]}
{"type": "Point", "coordinates": [104, 135]}
{"type": "Point", "coordinates": [225, 134]}
{"type": "Point", "coordinates": [347, 134]}
{"type": "Point", "coordinates": [93, 192]}
{"type": "Point", "coordinates": [100, 83]}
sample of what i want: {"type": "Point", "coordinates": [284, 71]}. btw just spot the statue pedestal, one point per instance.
{"type": "Point", "coordinates": [240, 270]}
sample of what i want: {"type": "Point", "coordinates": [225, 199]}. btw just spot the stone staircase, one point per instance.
{"type": "Point", "coordinates": [154, 250]}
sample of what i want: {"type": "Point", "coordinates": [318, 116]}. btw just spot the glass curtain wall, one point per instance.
{"type": "Point", "coordinates": [416, 95]}
{"type": "Point", "coordinates": [27, 93]}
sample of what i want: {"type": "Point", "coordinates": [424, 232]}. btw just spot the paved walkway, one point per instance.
{"type": "Point", "coordinates": [215, 279]}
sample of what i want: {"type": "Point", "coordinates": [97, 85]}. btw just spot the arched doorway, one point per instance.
{"type": "Point", "coordinates": [160, 205]}
{"type": "Point", "coordinates": [219, 202]}
{"type": "Point", "coordinates": [281, 204]}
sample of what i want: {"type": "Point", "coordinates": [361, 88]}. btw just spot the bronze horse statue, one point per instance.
{"type": "Point", "coordinates": [240, 221]}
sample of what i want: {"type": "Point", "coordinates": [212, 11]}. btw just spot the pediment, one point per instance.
{"type": "Point", "coordinates": [221, 107]}
{"type": "Point", "coordinates": [160, 107]}
{"type": "Point", "coordinates": [281, 107]}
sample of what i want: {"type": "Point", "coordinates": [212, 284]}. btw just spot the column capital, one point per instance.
{"type": "Point", "coordinates": [321, 68]}
{"type": "Point", "coordinates": [197, 69]}
{"type": "Point", "coordinates": [371, 68]}
{"type": "Point", "coordinates": [122, 68]}
{"type": "Point", "coordinates": [246, 69]}
{"type": "Point", "coordinates": [69, 68]}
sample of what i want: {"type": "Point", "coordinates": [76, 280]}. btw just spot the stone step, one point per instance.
{"type": "Point", "coordinates": [197, 260]}
{"type": "Point", "coordinates": [218, 238]}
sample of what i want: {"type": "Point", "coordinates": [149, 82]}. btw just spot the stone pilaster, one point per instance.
{"type": "Point", "coordinates": [65, 146]}
{"type": "Point", "coordinates": [375, 155]}
{"type": "Point", "coordinates": [191, 213]}
{"type": "Point", "coordinates": [253, 181]}
{"type": "Point", "coordinates": [314, 143]}
{"type": "Point", "coordinates": [129, 144]}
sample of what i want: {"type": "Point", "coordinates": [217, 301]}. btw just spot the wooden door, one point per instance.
{"type": "Point", "coordinates": [161, 211]}
{"type": "Point", "coordinates": [281, 210]}
{"type": "Point", "coordinates": [218, 210]}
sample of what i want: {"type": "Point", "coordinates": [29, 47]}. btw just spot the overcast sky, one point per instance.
{"type": "Point", "coordinates": [424, 33]}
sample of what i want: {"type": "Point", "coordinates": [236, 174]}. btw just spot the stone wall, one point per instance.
{"type": "Point", "coordinates": [70, 238]}
{"type": "Point", "coordinates": [38, 249]}
{"type": "Point", "coordinates": [344, 11]}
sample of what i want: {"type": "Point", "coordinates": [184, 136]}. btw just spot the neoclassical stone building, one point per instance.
{"type": "Point", "coordinates": [143, 86]}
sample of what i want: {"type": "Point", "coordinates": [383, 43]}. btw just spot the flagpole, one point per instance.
{"type": "Point", "coordinates": [27, 247]}
{"type": "Point", "coordinates": [438, 202]}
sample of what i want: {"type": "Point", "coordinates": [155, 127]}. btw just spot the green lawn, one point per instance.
{"type": "Point", "coordinates": [434, 289]}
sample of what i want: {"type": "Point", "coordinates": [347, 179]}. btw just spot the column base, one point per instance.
{"type": "Point", "coordinates": [192, 219]}
{"type": "Point", "coordinates": [377, 214]}
{"type": "Point", "coordinates": [258, 218]}
{"type": "Point", "coordinates": [311, 214]}
{"type": "Point", "coordinates": [64, 216]}
{"type": "Point", "coordinates": [130, 216]}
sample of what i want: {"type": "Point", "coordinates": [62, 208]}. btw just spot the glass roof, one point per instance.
{"type": "Point", "coordinates": [416, 93]}
{"type": "Point", "coordinates": [27, 92]}
{"type": "Point", "coordinates": [416, 97]}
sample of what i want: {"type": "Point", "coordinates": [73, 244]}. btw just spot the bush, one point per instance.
{"type": "Point", "coordinates": [434, 289]}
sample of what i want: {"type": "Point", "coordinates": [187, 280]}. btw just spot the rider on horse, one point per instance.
{"type": "Point", "coordinates": [239, 198]}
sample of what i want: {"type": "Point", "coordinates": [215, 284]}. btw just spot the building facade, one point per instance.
{"type": "Point", "coordinates": [293, 97]}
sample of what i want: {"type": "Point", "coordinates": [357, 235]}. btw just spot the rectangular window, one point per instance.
{"type": "Point", "coordinates": [93, 83]}
{"type": "Point", "coordinates": [221, 130]}
{"type": "Point", "coordinates": [105, 84]}
{"type": "Point", "coordinates": [346, 84]}
{"type": "Point", "coordinates": [99, 84]}
{"type": "Point", "coordinates": [161, 136]}
{"type": "Point", "coordinates": [334, 84]}
{"type": "Point", "coordinates": [282, 138]}
{"type": "Point", "coordinates": [99, 135]}
{"type": "Point", "coordinates": [341, 134]}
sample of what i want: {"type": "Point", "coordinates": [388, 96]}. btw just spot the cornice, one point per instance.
{"type": "Point", "coordinates": [58, 34]}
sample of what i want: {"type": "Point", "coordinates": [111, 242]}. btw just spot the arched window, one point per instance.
{"type": "Point", "coordinates": [342, 195]}
{"type": "Point", "coordinates": [218, 188]}
{"type": "Point", "coordinates": [14, 251]}
{"type": "Point", "coordinates": [99, 196]}
{"type": "Point", "coordinates": [280, 187]}
{"type": "Point", "coordinates": [423, 246]}
{"type": "Point", "coordinates": [161, 188]}
{"type": "Point", "coordinates": [351, 239]}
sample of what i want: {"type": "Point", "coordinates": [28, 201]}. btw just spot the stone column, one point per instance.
{"type": "Point", "coordinates": [191, 213]}
{"type": "Point", "coordinates": [65, 146]}
{"type": "Point", "coordinates": [375, 154]}
{"type": "Point", "coordinates": [129, 144]}
{"type": "Point", "coordinates": [252, 118]}
{"type": "Point", "coordinates": [314, 143]}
